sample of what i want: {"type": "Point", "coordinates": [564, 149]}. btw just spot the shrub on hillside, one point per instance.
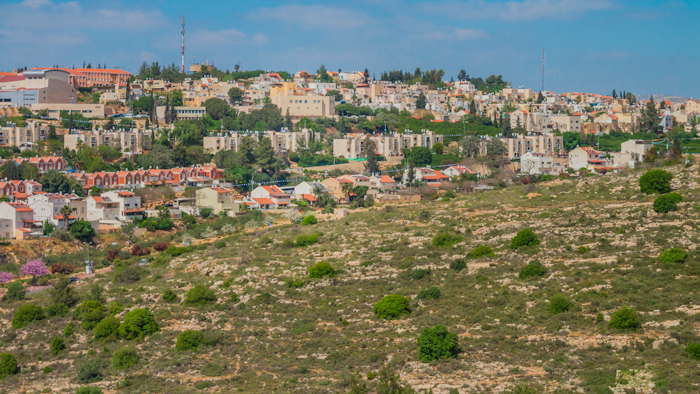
{"type": "Point", "coordinates": [130, 274]}
{"type": "Point", "coordinates": [89, 371]}
{"type": "Point", "coordinates": [482, 251]}
{"type": "Point", "coordinates": [63, 293]}
{"type": "Point", "coordinates": [625, 319]}
{"type": "Point", "coordinates": [525, 237]}
{"type": "Point", "coordinates": [307, 239]}
{"type": "Point", "coordinates": [532, 270]}
{"type": "Point", "coordinates": [420, 273]}
{"type": "Point", "coordinates": [189, 340]}
{"type": "Point", "coordinates": [392, 306]}
{"type": "Point", "coordinates": [560, 303]}
{"type": "Point", "coordinates": [321, 269]}
{"type": "Point", "coordinates": [673, 255]}
{"type": "Point", "coordinates": [309, 220]}
{"type": "Point", "coordinates": [8, 365]}
{"type": "Point", "coordinates": [124, 358]}
{"type": "Point", "coordinates": [60, 310]}
{"type": "Point", "coordinates": [107, 329]}
{"type": "Point", "coordinates": [437, 343]}
{"type": "Point", "coordinates": [15, 292]}
{"type": "Point", "coordinates": [693, 351]}
{"type": "Point", "coordinates": [26, 314]}
{"type": "Point", "coordinates": [458, 265]}
{"type": "Point", "coordinates": [138, 250]}
{"type": "Point", "coordinates": [114, 308]}
{"type": "Point", "coordinates": [160, 246]}
{"type": "Point", "coordinates": [112, 254]}
{"type": "Point", "coordinates": [169, 296]}
{"type": "Point", "coordinates": [89, 390]}
{"type": "Point", "coordinates": [200, 295]}
{"type": "Point", "coordinates": [62, 268]}
{"type": "Point", "coordinates": [57, 344]}
{"type": "Point", "coordinates": [667, 202]}
{"type": "Point", "coordinates": [445, 239]}
{"type": "Point", "coordinates": [137, 324]}
{"type": "Point", "coordinates": [430, 293]}
{"type": "Point", "coordinates": [205, 212]}
{"type": "Point", "coordinates": [89, 313]}
{"type": "Point", "coordinates": [655, 181]}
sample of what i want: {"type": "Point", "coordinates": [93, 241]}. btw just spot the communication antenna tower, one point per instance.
{"type": "Point", "coordinates": [544, 60]}
{"type": "Point", "coordinates": [182, 31]}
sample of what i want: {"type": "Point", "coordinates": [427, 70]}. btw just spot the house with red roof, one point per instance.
{"type": "Point", "coordinates": [280, 199]}
{"type": "Point", "coordinates": [383, 183]}
{"type": "Point", "coordinates": [219, 199]}
{"type": "Point", "coordinates": [431, 176]}
{"type": "Point", "coordinates": [17, 220]}
{"type": "Point", "coordinates": [456, 170]}
{"type": "Point", "coordinates": [589, 158]}
{"type": "Point", "coordinates": [129, 204]}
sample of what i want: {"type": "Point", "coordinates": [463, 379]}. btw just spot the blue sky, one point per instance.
{"type": "Point", "coordinates": [642, 46]}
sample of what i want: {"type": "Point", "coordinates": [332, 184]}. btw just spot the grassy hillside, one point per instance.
{"type": "Point", "coordinates": [268, 327]}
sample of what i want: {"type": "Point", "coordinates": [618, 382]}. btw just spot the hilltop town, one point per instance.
{"type": "Point", "coordinates": [260, 231]}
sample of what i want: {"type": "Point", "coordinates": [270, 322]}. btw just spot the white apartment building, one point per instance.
{"type": "Point", "coordinates": [386, 145]}
{"type": "Point", "coordinates": [24, 137]}
{"type": "Point", "coordinates": [128, 140]}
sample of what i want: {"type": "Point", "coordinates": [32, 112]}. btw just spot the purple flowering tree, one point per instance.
{"type": "Point", "coordinates": [36, 268]}
{"type": "Point", "coordinates": [5, 277]}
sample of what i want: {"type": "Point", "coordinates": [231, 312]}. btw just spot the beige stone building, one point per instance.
{"type": "Point", "coordinates": [386, 145]}
{"type": "Point", "coordinates": [281, 140]}
{"type": "Point", "coordinates": [520, 144]}
{"type": "Point", "coordinates": [216, 198]}
{"type": "Point", "coordinates": [87, 110]}
{"type": "Point", "coordinates": [23, 137]}
{"type": "Point", "coordinates": [311, 106]}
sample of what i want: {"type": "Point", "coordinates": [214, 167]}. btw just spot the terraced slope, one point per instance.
{"type": "Point", "coordinates": [273, 329]}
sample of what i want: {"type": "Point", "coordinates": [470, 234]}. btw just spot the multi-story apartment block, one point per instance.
{"type": "Point", "coordinates": [386, 145]}
{"type": "Point", "coordinates": [283, 140]}
{"type": "Point", "coordinates": [23, 137]}
{"type": "Point", "coordinates": [16, 220]}
{"type": "Point", "coordinates": [519, 144]}
{"type": "Point", "coordinates": [132, 140]}
{"type": "Point", "coordinates": [100, 77]}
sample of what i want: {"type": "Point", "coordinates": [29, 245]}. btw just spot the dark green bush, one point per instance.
{"type": "Point", "coordinates": [124, 358]}
{"type": "Point", "coordinates": [655, 181]}
{"type": "Point", "coordinates": [482, 251]}
{"type": "Point", "coordinates": [667, 202]}
{"type": "Point", "coordinates": [309, 220]}
{"type": "Point", "coordinates": [205, 212]}
{"type": "Point", "coordinates": [532, 270]}
{"type": "Point", "coordinates": [68, 331]}
{"type": "Point", "coordinates": [57, 345]}
{"type": "Point", "coordinates": [169, 296]}
{"type": "Point", "coordinates": [294, 283]}
{"type": "Point", "coordinates": [307, 239]}
{"type": "Point", "coordinates": [220, 244]}
{"type": "Point", "coordinates": [137, 324]}
{"type": "Point", "coordinates": [673, 255]}
{"type": "Point", "coordinates": [130, 274]}
{"type": "Point", "coordinates": [420, 273]}
{"type": "Point", "coordinates": [8, 365]}
{"type": "Point", "coordinates": [189, 340]}
{"type": "Point", "coordinates": [26, 314]}
{"type": "Point", "coordinates": [458, 265]}
{"type": "Point", "coordinates": [107, 329]}
{"type": "Point", "coordinates": [321, 269]}
{"type": "Point", "coordinates": [525, 237]}
{"type": "Point", "coordinates": [89, 371]}
{"type": "Point", "coordinates": [392, 306]}
{"type": "Point", "coordinates": [90, 313]}
{"type": "Point", "coordinates": [302, 326]}
{"type": "Point", "coordinates": [625, 319]}
{"type": "Point", "coordinates": [430, 293]}
{"type": "Point", "coordinates": [445, 239]}
{"type": "Point", "coordinates": [437, 343]}
{"type": "Point", "coordinates": [200, 295]}
{"type": "Point", "coordinates": [560, 303]}
{"type": "Point", "coordinates": [693, 351]}
{"type": "Point", "coordinates": [60, 310]}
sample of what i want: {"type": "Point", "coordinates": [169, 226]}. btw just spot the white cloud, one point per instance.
{"type": "Point", "coordinates": [35, 3]}
{"type": "Point", "coordinates": [312, 16]}
{"type": "Point", "coordinates": [517, 10]}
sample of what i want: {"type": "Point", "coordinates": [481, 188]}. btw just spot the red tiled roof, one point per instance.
{"type": "Point", "coordinates": [309, 197]}
{"type": "Point", "coordinates": [60, 217]}
{"type": "Point", "coordinates": [264, 201]}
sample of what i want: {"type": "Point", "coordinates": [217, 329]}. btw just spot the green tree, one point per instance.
{"type": "Point", "coordinates": [200, 295]}
{"type": "Point", "coordinates": [495, 148]}
{"type": "Point", "coordinates": [560, 303]}
{"type": "Point", "coordinates": [649, 121]}
{"type": "Point", "coordinates": [189, 340]}
{"type": "Point", "coordinates": [667, 202]}
{"type": "Point", "coordinates": [533, 269]}
{"type": "Point", "coordinates": [217, 108]}
{"type": "Point", "coordinates": [438, 148]}
{"type": "Point", "coordinates": [288, 121]}
{"type": "Point", "coordinates": [372, 163]}
{"type": "Point", "coordinates": [462, 75]}
{"type": "Point", "coordinates": [655, 181]}
{"type": "Point", "coordinates": [89, 313]}
{"type": "Point", "coordinates": [322, 74]}
{"type": "Point", "coordinates": [82, 229]}
{"type": "Point", "coordinates": [625, 319]}
{"type": "Point", "coordinates": [525, 237]}
{"type": "Point", "coordinates": [420, 155]}
{"type": "Point", "coordinates": [437, 343]}
{"type": "Point", "coordinates": [235, 94]}
{"type": "Point", "coordinates": [321, 269]}
{"type": "Point", "coordinates": [65, 213]}
{"type": "Point", "coordinates": [540, 98]}
{"type": "Point", "coordinates": [26, 314]}
{"type": "Point", "coordinates": [124, 358]}
{"type": "Point", "coordinates": [176, 99]}
{"type": "Point", "coordinates": [57, 345]}
{"type": "Point", "coordinates": [390, 383]}
{"type": "Point", "coordinates": [420, 101]}
{"type": "Point", "coordinates": [8, 365]}
{"type": "Point", "coordinates": [63, 293]}
{"type": "Point", "coordinates": [265, 156]}
{"type": "Point", "coordinates": [470, 145]}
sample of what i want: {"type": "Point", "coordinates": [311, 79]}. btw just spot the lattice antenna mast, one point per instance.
{"type": "Point", "coordinates": [544, 61]}
{"type": "Point", "coordinates": [182, 31]}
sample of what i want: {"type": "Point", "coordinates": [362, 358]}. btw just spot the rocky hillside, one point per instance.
{"type": "Point", "coordinates": [549, 316]}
